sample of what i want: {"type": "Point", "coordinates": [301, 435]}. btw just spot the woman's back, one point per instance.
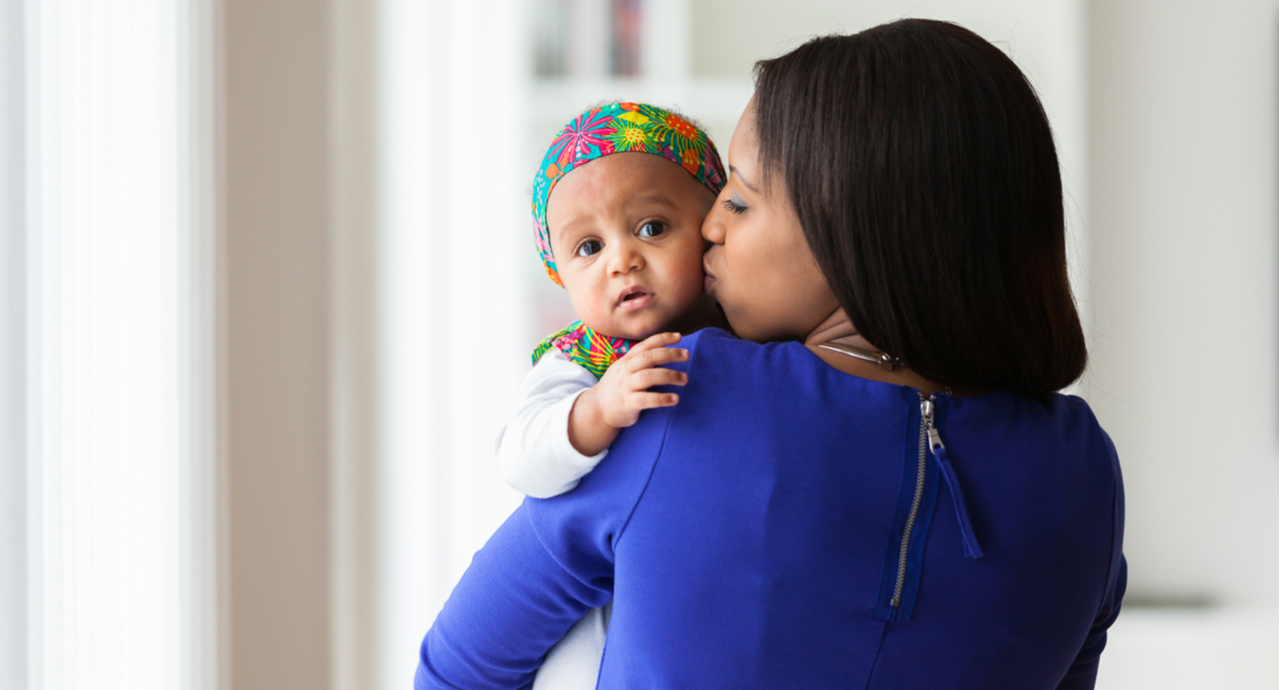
{"type": "Point", "coordinates": [752, 537]}
{"type": "Point", "coordinates": [766, 548]}
{"type": "Point", "coordinates": [893, 193]}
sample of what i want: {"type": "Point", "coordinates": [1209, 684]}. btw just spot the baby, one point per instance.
{"type": "Point", "coordinates": [623, 234]}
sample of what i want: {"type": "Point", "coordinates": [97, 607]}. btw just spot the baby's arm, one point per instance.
{"type": "Point", "coordinates": [534, 453]}
{"type": "Point", "coordinates": [563, 420]}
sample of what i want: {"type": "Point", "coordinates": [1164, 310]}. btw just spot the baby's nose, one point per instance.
{"type": "Point", "coordinates": [626, 258]}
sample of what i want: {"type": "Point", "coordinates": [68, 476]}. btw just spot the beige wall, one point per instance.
{"type": "Point", "coordinates": [353, 329]}
{"type": "Point", "coordinates": [276, 148]}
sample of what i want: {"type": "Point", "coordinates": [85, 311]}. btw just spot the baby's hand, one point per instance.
{"type": "Point", "coordinates": [623, 391]}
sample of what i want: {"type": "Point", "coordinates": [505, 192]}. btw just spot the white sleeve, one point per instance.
{"type": "Point", "coordinates": [534, 453]}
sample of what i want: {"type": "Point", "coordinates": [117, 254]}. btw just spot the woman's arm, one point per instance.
{"type": "Point", "coordinates": [549, 563]}
{"type": "Point", "coordinates": [511, 606]}
{"type": "Point", "coordinates": [1084, 671]}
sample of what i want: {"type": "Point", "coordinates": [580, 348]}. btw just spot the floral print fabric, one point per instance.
{"type": "Point", "coordinates": [584, 347]}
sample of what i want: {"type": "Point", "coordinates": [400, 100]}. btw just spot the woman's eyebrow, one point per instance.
{"type": "Point", "coordinates": [738, 173]}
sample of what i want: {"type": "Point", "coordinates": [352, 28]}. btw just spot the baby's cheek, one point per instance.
{"type": "Point", "coordinates": [693, 274]}
{"type": "Point", "coordinates": [588, 305]}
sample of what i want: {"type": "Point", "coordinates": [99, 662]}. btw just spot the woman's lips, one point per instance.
{"type": "Point", "coordinates": [710, 278]}
{"type": "Point", "coordinates": [634, 298]}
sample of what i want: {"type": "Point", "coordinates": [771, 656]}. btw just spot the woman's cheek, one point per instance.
{"type": "Point", "coordinates": [740, 319]}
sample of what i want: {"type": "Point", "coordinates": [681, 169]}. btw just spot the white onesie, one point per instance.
{"type": "Point", "coordinates": [536, 458]}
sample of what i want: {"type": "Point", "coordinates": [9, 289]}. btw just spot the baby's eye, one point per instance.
{"type": "Point", "coordinates": [589, 248]}
{"type": "Point", "coordinates": [652, 229]}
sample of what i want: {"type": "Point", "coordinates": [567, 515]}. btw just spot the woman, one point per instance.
{"type": "Point", "coordinates": [886, 493]}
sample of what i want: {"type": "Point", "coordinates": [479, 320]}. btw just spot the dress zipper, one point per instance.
{"type": "Point", "coordinates": [926, 425]}
{"type": "Point", "coordinates": [931, 440]}
{"type": "Point", "coordinates": [970, 540]}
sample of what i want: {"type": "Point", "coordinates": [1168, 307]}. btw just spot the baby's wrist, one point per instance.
{"type": "Point", "coordinates": [588, 410]}
{"type": "Point", "coordinates": [589, 432]}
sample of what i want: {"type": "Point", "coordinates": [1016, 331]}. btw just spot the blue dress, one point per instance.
{"type": "Point", "coordinates": [788, 525]}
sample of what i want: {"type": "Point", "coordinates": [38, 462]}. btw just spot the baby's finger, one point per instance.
{"type": "Point", "coordinates": [656, 357]}
{"type": "Point", "coordinates": [659, 340]}
{"type": "Point", "coordinates": [646, 401]}
{"type": "Point", "coordinates": [648, 378]}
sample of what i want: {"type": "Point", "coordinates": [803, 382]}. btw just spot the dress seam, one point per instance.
{"type": "Point", "coordinates": [1111, 546]}
{"type": "Point", "coordinates": [875, 664]}
{"type": "Point", "coordinates": [643, 492]}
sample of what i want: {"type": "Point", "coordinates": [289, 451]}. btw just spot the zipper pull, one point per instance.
{"type": "Point", "coordinates": [971, 548]}
{"type": "Point", "coordinates": [935, 441]}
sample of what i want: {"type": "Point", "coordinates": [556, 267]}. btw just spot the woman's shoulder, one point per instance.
{"type": "Point", "coordinates": [1060, 431]}
{"type": "Point", "coordinates": [725, 370]}
{"type": "Point", "coordinates": [1060, 415]}
{"type": "Point", "coordinates": [713, 350]}
{"type": "Point", "coordinates": [709, 340]}
{"type": "Point", "coordinates": [786, 379]}
{"type": "Point", "coordinates": [585, 522]}
{"type": "Point", "coordinates": [607, 495]}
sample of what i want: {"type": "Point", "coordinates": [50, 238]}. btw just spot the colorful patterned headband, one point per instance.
{"type": "Point", "coordinates": [618, 128]}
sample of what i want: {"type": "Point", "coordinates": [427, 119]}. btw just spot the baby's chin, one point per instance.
{"type": "Point", "coordinates": [635, 332]}
{"type": "Point", "coordinates": [702, 312]}
{"type": "Point", "coordinates": [627, 333]}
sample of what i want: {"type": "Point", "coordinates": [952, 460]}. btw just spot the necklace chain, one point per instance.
{"type": "Point", "coordinates": [884, 360]}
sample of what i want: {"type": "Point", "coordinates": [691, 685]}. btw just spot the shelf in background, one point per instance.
{"type": "Point", "coordinates": [716, 103]}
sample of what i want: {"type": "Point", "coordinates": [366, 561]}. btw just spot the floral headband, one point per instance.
{"type": "Point", "coordinates": [619, 128]}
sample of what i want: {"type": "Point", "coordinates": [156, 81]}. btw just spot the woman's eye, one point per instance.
{"type": "Point", "coordinates": [734, 205]}
{"type": "Point", "coordinates": [589, 248]}
{"type": "Point", "coordinates": [652, 229]}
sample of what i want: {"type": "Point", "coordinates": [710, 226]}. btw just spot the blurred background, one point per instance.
{"type": "Point", "coordinates": [267, 289]}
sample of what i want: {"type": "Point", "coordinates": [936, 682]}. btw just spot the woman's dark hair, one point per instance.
{"type": "Point", "coordinates": [921, 166]}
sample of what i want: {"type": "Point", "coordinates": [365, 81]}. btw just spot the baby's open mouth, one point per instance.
{"type": "Point", "coordinates": [634, 297]}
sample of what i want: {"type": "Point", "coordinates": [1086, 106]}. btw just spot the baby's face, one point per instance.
{"type": "Point", "coordinates": [626, 234]}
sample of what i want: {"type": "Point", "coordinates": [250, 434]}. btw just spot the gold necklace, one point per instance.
{"type": "Point", "coordinates": [884, 360]}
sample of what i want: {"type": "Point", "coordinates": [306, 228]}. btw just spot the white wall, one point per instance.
{"type": "Point", "coordinates": [451, 228]}
{"type": "Point", "coordinates": [13, 385]}
{"type": "Point", "coordinates": [115, 337]}
{"type": "Point", "coordinates": [1183, 270]}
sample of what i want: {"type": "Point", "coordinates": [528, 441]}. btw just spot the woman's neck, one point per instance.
{"type": "Point", "coordinates": [837, 328]}
{"type": "Point", "coordinates": [703, 314]}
